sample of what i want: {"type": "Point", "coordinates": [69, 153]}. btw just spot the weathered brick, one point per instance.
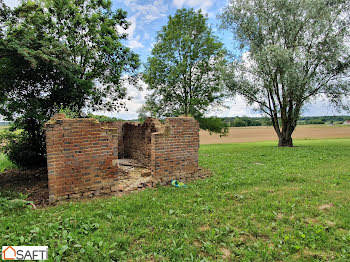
{"type": "Point", "coordinates": [82, 153]}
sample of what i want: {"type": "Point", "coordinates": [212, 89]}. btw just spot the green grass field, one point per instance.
{"type": "Point", "coordinates": [5, 163]}
{"type": "Point", "coordinates": [3, 128]}
{"type": "Point", "coordinates": [262, 203]}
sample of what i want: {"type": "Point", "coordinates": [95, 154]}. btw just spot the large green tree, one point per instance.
{"type": "Point", "coordinates": [183, 71]}
{"type": "Point", "coordinates": [295, 51]}
{"type": "Point", "coordinates": [60, 53]}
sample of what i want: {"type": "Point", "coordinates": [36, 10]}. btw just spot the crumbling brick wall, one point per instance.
{"type": "Point", "coordinates": [174, 150]}
{"type": "Point", "coordinates": [119, 126]}
{"type": "Point", "coordinates": [81, 157]}
{"type": "Point", "coordinates": [82, 154]}
{"type": "Point", "coordinates": [137, 140]}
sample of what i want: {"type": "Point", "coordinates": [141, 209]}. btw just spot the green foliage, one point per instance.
{"type": "Point", "coordinates": [69, 58]}
{"type": "Point", "coordinates": [5, 163]}
{"type": "Point", "coordinates": [246, 121]}
{"type": "Point", "coordinates": [297, 51]}
{"type": "Point", "coordinates": [238, 122]}
{"type": "Point", "coordinates": [262, 204]}
{"type": "Point", "coordinates": [265, 121]}
{"type": "Point", "coordinates": [21, 150]}
{"type": "Point", "coordinates": [60, 54]}
{"type": "Point", "coordinates": [6, 205]}
{"type": "Point", "coordinates": [184, 69]}
{"type": "Point", "coordinates": [12, 201]}
{"type": "Point", "coordinates": [69, 113]}
{"type": "Point", "coordinates": [318, 120]}
{"type": "Point", "coordinates": [315, 122]}
{"type": "Point", "coordinates": [214, 124]}
{"type": "Point", "coordinates": [104, 118]}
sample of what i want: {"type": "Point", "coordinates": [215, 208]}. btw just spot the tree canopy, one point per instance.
{"type": "Point", "coordinates": [294, 51]}
{"type": "Point", "coordinates": [183, 71]}
{"type": "Point", "coordinates": [56, 54]}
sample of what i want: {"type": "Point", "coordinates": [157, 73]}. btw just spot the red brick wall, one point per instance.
{"type": "Point", "coordinates": [82, 154]}
{"type": "Point", "coordinates": [174, 150]}
{"type": "Point", "coordinates": [137, 140]}
{"type": "Point", "coordinates": [81, 158]}
{"type": "Point", "coordinates": [119, 126]}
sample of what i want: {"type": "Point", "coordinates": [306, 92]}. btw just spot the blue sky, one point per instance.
{"type": "Point", "coordinates": [148, 17]}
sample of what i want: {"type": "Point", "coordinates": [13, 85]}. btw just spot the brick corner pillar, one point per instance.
{"type": "Point", "coordinates": [54, 133]}
{"type": "Point", "coordinates": [174, 150]}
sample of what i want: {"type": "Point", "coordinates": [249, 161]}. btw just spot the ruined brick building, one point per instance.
{"type": "Point", "coordinates": [86, 157]}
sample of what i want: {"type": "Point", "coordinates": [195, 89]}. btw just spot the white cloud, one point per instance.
{"type": "Point", "coordinates": [179, 3]}
{"type": "Point", "coordinates": [133, 105]}
{"type": "Point", "coordinates": [12, 3]}
{"type": "Point", "coordinates": [133, 41]}
{"type": "Point", "coordinates": [149, 12]}
{"type": "Point", "coordinates": [236, 107]}
{"type": "Point", "coordinates": [321, 106]}
{"type": "Point", "coordinates": [143, 14]}
{"type": "Point", "coordinates": [202, 4]}
{"type": "Point", "coordinates": [134, 44]}
{"type": "Point", "coordinates": [130, 31]}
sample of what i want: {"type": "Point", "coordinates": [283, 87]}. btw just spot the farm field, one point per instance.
{"type": "Point", "coordinates": [267, 133]}
{"type": "Point", "coordinates": [262, 203]}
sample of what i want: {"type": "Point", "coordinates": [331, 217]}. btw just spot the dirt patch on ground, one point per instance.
{"type": "Point", "coordinates": [326, 206]}
{"type": "Point", "coordinates": [264, 133]}
{"type": "Point", "coordinates": [28, 182]}
{"type": "Point", "coordinates": [34, 184]}
{"type": "Point", "coordinates": [226, 253]}
{"type": "Point", "coordinates": [204, 228]}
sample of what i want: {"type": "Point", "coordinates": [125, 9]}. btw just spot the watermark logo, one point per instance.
{"type": "Point", "coordinates": [25, 252]}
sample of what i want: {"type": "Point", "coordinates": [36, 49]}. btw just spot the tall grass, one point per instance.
{"type": "Point", "coordinates": [5, 163]}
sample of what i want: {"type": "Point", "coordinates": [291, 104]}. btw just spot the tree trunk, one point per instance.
{"type": "Point", "coordinates": [285, 139]}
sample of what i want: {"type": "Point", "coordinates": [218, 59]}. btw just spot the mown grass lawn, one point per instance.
{"type": "Point", "coordinates": [262, 203]}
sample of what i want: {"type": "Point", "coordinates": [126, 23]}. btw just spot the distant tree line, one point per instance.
{"type": "Point", "coordinates": [102, 118]}
{"type": "Point", "coordinates": [320, 120]}
{"type": "Point", "coordinates": [264, 121]}
{"type": "Point", "coordinates": [247, 121]}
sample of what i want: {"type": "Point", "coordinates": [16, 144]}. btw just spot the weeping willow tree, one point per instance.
{"type": "Point", "coordinates": [295, 51]}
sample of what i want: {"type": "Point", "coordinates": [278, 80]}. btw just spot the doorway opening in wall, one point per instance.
{"type": "Point", "coordinates": [134, 151]}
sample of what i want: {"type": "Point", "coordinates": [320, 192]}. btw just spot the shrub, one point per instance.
{"type": "Point", "coordinates": [104, 118]}
{"type": "Point", "coordinates": [12, 201]}
{"type": "Point", "coordinates": [213, 124]}
{"type": "Point", "coordinates": [21, 150]}
{"type": "Point", "coordinates": [69, 113]}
